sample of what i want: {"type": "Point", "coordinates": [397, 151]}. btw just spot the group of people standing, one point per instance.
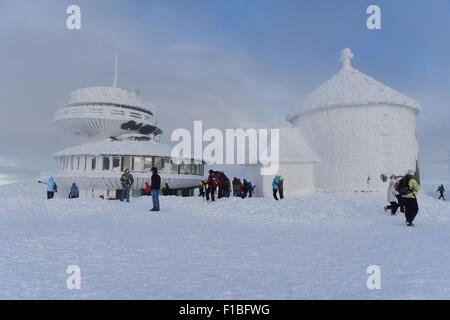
{"type": "Point", "coordinates": [242, 189]}
{"type": "Point", "coordinates": [218, 180]}
{"type": "Point", "coordinates": [402, 193]}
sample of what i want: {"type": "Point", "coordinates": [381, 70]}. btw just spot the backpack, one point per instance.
{"type": "Point", "coordinates": [56, 187]}
{"type": "Point", "coordinates": [402, 186]}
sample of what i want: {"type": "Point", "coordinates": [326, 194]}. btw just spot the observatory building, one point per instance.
{"type": "Point", "coordinates": [350, 134]}
{"type": "Point", "coordinates": [121, 132]}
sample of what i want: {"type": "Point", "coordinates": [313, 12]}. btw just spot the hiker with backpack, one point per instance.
{"type": "Point", "coordinates": [277, 187]}
{"type": "Point", "coordinates": [52, 187]}
{"type": "Point", "coordinates": [392, 194]}
{"type": "Point", "coordinates": [408, 188]}
{"type": "Point", "coordinates": [74, 191]}
{"type": "Point", "coordinates": [441, 190]}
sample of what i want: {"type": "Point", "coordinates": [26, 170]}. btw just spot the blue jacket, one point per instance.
{"type": "Point", "coordinates": [275, 183]}
{"type": "Point", "coordinates": [74, 191]}
{"type": "Point", "coordinates": [50, 184]}
{"type": "Point", "coordinates": [250, 186]}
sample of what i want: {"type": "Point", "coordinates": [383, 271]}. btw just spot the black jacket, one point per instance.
{"type": "Point", "coordinates": [156, 182]}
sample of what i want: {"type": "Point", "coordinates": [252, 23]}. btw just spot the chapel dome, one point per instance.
{"type": "Point", "coordinates": [350, 87]}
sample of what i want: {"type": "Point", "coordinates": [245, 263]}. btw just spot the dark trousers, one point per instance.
{"type": "Point", "coordinates": [202, 192]}
{"type": "Point", "coordinates": [401, 205]}
{"type": "Point", "coordinates": [393, 207]}
{"type": "Point", "coordinates": [442, 196]}
{"type": "Point", "coordinates": [412, 208]}
{"type": "Point", "coordinates": [210, 191]}
{"type": "Point", "coordinates": [275, 194]}
{"type": "Point", "coordinates": [250, 194]}
{"type": "Point", "coordinates": [50, 195]}
{"type": "Point", "coordinates": [280, 190]}
{"type": "Point", "coordinates": [235, 193]}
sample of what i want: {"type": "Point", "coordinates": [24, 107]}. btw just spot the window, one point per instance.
{"type": "Point", "coordinates": [158, 163]}
{"type": "Point", "coordinates": [78, 163]}
{"type": "Point", "coordinates": [126, 163]}
{"type": "Point", "coordinates": [173, 167]}
{"type": "Point", "coordinates": [85, 163]}
{"type": "Point", "coordinates": [105, 163]}
{"type": "Point", "coordinates": [115, 162]}
{"type": "Point", "coordinates": [93, 163]}
{"type": "Point", "coordinates": [181, 167]}
{"type": "Point", "coordinates": [148, 163]}
{"type": "Point", "coordinates": [137, 164]}
{"type": "Point", "coordinates": [71, 163]}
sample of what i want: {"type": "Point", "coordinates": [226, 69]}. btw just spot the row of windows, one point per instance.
{"type": "Point", "coordinates": [135, 164]}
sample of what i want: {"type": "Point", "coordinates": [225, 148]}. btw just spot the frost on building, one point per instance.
{"type": "Point", "coordinates": [360, 130]}
{"type": "Point", "coordinates": [121, 132]}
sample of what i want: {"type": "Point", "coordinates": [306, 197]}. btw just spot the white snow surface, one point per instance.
{"type": "Point", "coordinates": [350, 87]}
{"type": "Point", "coordinates": [316, 246]}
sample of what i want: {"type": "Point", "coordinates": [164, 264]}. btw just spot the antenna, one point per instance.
{"type": "Point", "coordinates": [115, 71]}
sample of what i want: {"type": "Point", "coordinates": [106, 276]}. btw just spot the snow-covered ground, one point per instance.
{"type": "Point", "coordinates": [313, 247]}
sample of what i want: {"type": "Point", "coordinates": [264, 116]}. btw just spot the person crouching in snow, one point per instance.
{"type": "Point", "coordinates": [409, 189]}
{"type": "Point", "coordinates": [127, 181]}
{"type": "Point", "coordinates": [201, 189]}
{"type": "Point", "coordinates": [147, 189]}
{"type": "Point", "coordinates": [74, 191]}
{"type": "Point", "coordinates": [392, 198]}
{"type": "Point", "coordinates": [156, 185]}
{"type": "Point", "coordinates": [52, 187]}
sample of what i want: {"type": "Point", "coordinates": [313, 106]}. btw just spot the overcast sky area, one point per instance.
{"type": "Point", "coordinates": [231, 64]}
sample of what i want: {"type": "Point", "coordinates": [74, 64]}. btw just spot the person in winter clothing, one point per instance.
{"type": "Point", "coordinates": [147, 189]}
{"type": "Point", "coordinates": [441, 191]}
{"type": "Point", "coordinates": [392, 194]}
{"type": "Point", "coordinates": [251, 188]}
{"type": "Point", "coordinates": [277, 186]}
{"type": "Point", "coordinates": [410, 199]}
{"type": "Point", "coordinates": [155, 185]}
{"type": "Point", "coordinates": [127, 181]}
{"type": "Point", "coordinates": [74, 191]}
{"type": "Point", "coordinates": [165, 189]}
{"type": "Point", "coordinates": [235, 184]}
{"type": "Point", "coordinates": [244, 190]}
{"type": "Point", "coordinates": [227, 188]}
{"type": "Point", "coordinates": [52, 187]}
{"type": "Point", "coordinates": [212, 185]}
{"type": "Point", "coordinates": [221, 184]}
{"type": "Point", "coordinates": [201, 189]}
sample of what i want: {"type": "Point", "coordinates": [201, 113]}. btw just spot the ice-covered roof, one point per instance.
{"type": "Point", "coordinates": [112, 147]}
{"type": "Point", "coordinates": [109, 95]}
{"type": "Point", "coordinates": [350, 87]}
{"type": "Point", "coordinates": [293, 147]}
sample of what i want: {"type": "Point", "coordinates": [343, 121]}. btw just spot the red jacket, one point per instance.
{"type": "Point", "coordinates": [212, 181]}
{"type": "Point", "coordinates": [147, 187]}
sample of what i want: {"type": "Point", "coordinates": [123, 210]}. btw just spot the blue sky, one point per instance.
{"type": "Point", "coordinates": [228, 63]}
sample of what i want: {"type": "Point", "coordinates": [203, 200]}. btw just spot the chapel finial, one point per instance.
{"type": "Point", "coordinates": [346, 56]}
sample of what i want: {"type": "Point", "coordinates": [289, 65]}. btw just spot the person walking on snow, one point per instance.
{"type": "Point", "coordinates": [52, 187]}
{"type": "Point", "coordinates": [156, 185]}
{"type": "Point", "coordinates": [127, 181]}
{"type": "Point", "coordinates": [74, 191]}
{"type": "Point", "coordinates": [277, 186]}
{"type": "Point", "coordinates": [392, 198]}
{"type": "Point", "coordinates": [441, 191]}
{"type": "Point", "coordinates": [408, 189]}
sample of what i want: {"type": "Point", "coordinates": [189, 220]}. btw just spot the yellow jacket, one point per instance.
{"type": "Point", "coordinates": [414, 187]}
